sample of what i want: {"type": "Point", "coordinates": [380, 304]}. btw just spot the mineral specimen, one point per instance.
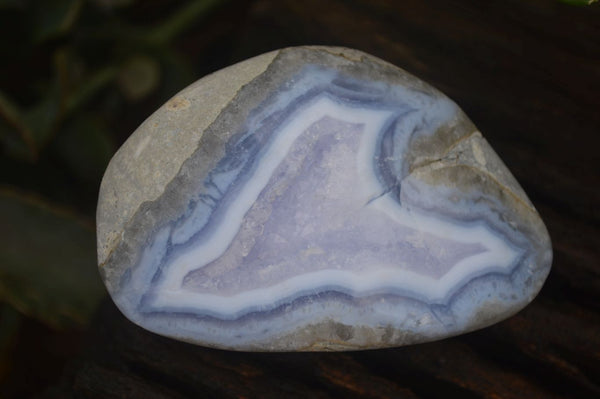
{"type": "Point", "coordinates": [315, 198]}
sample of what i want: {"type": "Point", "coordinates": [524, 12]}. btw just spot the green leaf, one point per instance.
{"type": "Point", "coordinates": [43, 117]}
{"type": "Point", "coordinates": [90, 87]}
{"type": "Point", "coordinates": [12, 146]}
{"type": "Point", "coordinates": [14, 132]}
{"type": "Point", "coordinates": [55, 18]}
{"type": "Point", "coordinates": [84, 144]}
{"type": "Point", "coordinates": [47, 261]}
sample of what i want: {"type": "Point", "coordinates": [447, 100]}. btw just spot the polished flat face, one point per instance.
{"type": "Point", "coordinates": [326, 213]}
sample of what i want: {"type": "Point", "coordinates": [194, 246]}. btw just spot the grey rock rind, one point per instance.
{"type": "Point", "coordinates": [151, 178]}
{"type": "Point", "coordinates": [155, 152]}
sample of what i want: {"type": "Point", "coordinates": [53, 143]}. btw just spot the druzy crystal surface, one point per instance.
{"type": "Point", "coordinates": [315, 198]}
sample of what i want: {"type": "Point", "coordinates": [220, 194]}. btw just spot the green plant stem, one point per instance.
{"type": "Point", "coordinates": [180, 20]}
{"type": "Point", "coordinates": [99, 80]}
{"type": "Point", "coordinates": [13, 116]}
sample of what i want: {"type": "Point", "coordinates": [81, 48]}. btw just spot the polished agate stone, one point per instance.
{"type": "Point", "coordinates": [315, 198]}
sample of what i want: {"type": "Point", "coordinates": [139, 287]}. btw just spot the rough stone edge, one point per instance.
{"type": "Point", "coordinates": [125, 187]}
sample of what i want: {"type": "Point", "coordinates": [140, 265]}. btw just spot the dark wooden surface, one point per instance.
{"type": "Point", "coordinates": [527, 72]}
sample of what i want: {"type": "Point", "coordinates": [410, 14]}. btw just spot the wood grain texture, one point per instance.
{"type": "Point", "coordinates": [528, 75]}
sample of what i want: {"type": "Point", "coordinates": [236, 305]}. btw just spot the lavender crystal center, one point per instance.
{"type": "Point", "coordinates": [314, 210]}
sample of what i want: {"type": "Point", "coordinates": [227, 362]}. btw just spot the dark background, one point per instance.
{"type": "Point", "coordinates": [77, 77]}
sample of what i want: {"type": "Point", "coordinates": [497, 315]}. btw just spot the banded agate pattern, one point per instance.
{"type": "Point", "coordinates": [334, 202]}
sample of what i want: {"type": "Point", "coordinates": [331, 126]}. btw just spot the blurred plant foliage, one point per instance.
{"type": "Point", "coordinates": [72, 70]}
{"type": "Point", "coordinates": [579, 2]}
{"type": "Point", "coordinates": [47, 264]}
